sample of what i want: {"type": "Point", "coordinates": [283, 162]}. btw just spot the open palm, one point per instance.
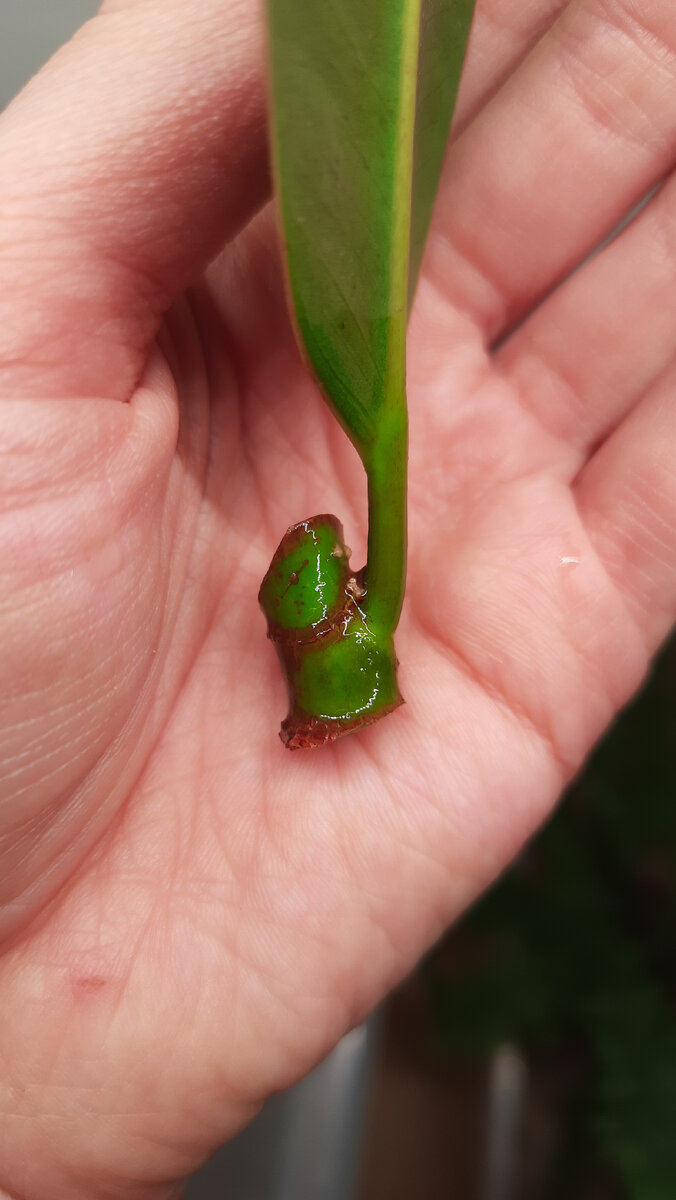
{"type": "Point", "coordinates": [190, 916]}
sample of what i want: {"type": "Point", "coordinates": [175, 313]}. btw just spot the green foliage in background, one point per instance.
{"type": "Point", "coordinates": [573, 951]}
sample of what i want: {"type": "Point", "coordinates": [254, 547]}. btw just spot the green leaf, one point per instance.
{"type": "Point", "coordinates": [362, 93]}
{"type": "Point", "coordinates": [444, 32]}
{"type": "Point", "coordinates": [362, 96]}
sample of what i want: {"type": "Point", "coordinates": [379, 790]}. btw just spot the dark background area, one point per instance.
{"type": "Point", "coordinates": [569, 965]}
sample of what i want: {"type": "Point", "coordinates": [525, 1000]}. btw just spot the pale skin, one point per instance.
{"type": "Point", "coordinates": [190, 916]}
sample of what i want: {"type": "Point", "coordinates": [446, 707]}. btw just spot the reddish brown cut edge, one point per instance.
{"type": "Point", "coordinates": [300, 731]}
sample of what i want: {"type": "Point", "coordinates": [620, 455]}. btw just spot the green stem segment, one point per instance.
{"type": "Point", "coordinates": [386, 565]}
{"type": "Point", "coordinates": [339, 667]}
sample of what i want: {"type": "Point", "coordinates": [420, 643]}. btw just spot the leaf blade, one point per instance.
{"type": "Point", "coordinates": [342, 123]}
{"type": "Point", "coordinates": [362, 97]}
{"type": "Point", "coordinates": [444, 35]}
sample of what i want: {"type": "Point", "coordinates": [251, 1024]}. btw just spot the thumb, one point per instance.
{"type": "Point", "coordinates": [124, 165]}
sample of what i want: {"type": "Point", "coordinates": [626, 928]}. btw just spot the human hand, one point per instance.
{"type": "Point", "coordinates": [190, 916]}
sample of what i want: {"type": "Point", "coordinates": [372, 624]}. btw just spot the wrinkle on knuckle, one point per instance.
{"type": "Point", "coordinates": [661, 224]}
{"type": "Point", "coordinates": [619, 69]}
{"type": "Point", "coordinates": [465, 280]}
{"type": "Point", "coordinates": [631, 17]}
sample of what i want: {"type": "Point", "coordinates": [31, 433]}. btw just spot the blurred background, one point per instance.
{"type": "Point", "coordinates": [533, 1056]}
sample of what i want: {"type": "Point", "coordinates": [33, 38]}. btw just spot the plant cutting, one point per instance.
{"type": "Point", "coordinates": [361, 99]}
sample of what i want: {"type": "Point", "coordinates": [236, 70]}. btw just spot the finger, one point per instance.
{"type": "Point", "coordinates": [566, 148]}
{"type": "Point", "coordinates": [125, 164]}
{"type": "Point", "coordinates": [627, 497]}
{"type": "Point", "coordinates": [503, 31]}
{"type": "Point", "coordinates": [586, 355]}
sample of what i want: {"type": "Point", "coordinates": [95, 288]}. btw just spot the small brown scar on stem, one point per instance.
{"type": "Point", "coordinates": [293, 576]}
{"type": "Point", "coordinates": [355, 589]}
